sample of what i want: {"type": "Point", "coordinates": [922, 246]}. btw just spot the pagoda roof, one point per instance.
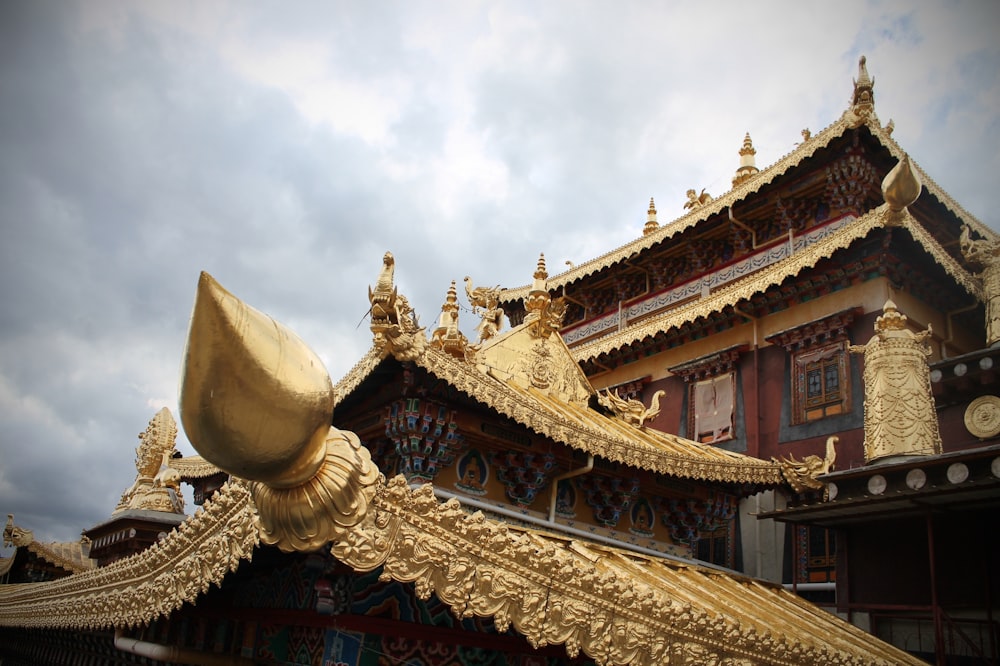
{"type": "Point", "coordinates": [500, 374]}
{"type": "Point", "coordinates": [808, 253]}
{"type": "Point", "coordinates": [71, 556]}
{"type": "Point", "coordinates": [613, 605]}
{"type": "Point", "coordinates": [803, 151]}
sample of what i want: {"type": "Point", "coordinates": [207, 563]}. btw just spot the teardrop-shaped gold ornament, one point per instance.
{"type": "Point", "coordinates": [255, 400]}
{"type": "Point", "coordinates": [901, 186]}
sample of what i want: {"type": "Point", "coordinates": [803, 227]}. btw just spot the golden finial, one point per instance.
{"type": "Point", "coordinates": [651, 223]}
{"type": "Point", "coordinates": [255, 400]}
{"type": "Point", "coordinates": [901, 186]}
{"type": "Point", "coordinates": [863, 98]}
{"type": "Point", "coordinates": [748, 165]}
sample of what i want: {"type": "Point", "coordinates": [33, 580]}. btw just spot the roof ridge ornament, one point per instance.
{"type": "Point", "coordinates": [157, 486]}
{"type": "Point", "coordinates": [986, 253]}
{"type": "Point", "coordinates": [863, 96]}
{"type": "Point", "coordinates": [748, 164]}
{"type": "Point", "coordinates": [393, 322]}
{"type": "Point", "coordinates": [651, 223]}
{"type": "Point", "coordinates": [901, 187]}
{"type": "Point", "coordinates": [447, 337]}
{"type": "Point", "coordinates": [485, 301]}
{"type": "Point", "coordinates": [544, 313]}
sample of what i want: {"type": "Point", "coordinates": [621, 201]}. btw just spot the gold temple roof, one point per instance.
{"type": "Point", "coordinates": [618, 607]}
{"type": "Point", "coordinates": [851, 230]}
{"type": "Point", "coordinates": [582, 428]}
{"type": "Point", "coordinates": [72, 556]}
{"type": "Point", "coordinates": [754, 184]}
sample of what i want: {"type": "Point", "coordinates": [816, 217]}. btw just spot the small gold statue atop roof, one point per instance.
{"type": "Point", "coordinates": [485, 300]}
{"type": "Point", "coordinates": [157, 486]}
{"type": "Point", "coordinates": [633, 412]}
{"type": "Point", "coordinates": [695, 200]}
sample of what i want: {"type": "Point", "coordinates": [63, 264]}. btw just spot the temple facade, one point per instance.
{"type": "Point", "coordinates": [578, 484]}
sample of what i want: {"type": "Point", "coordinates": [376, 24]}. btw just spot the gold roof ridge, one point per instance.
{"type": "Point", "coordinates": [136, 590]}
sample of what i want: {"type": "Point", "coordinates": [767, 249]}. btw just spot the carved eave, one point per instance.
{"type": "Point", "coordinates": [802, 152]}
{"type": "Point", "coordinates": [159, 580]}
{"type": "Point", "coordinates": [69, 556]}
{"type": "Point", "coordinates": [832, 328]}
{"type": "Point", "coordinates": [615, 606]}
{"type": "Point", "coordinates": [709, 365]}
{"type": "Point", "coordinates": [739, 290]}
{"type": "Point", "coordinates": [584, 429]}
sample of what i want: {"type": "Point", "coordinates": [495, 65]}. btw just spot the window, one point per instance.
{"type": "Point", "coordinates": [820, 383]}
{"type": "Point", "coordinates": [712, 403]}
{"type": "Point", "coordinates": [716, 546]}
{"type": "Point", "coordinates": [821, 366]}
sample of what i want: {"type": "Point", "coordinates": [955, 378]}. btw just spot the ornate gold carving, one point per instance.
{"type": "Point", "coordinates": [805, 473]}
{"type": "Point", "coordinates": [696, 200]}
{"type": "Point", "coordinates": [863, 99]}
{"type": "Point", "coordinates": [572, 423]}
{"type": "Point", "coordinates": [324, 508]}
{"type": "Point", "coordinates": [651, 223]}
{"type": "Point", "coordinates": [616, 607]}
{"type": "Point", "coordinates": [312, 482]}
{"type": "Point", "coordinates": [446, 336]}
{"type": "Point", "coordinates": [157, 485]}
{"type": "Point", "coordinates": [392, 319]}
{"type": "Point", "coordinates": [69, 556]}
{"type": "Point", "coordinates": [544, 313]}
{"type": "Point", "coordinates": [982, 417]}
{"type": "Point", "coordinates": [748, 166]}
{"type": "Point", "coordinates": [986, 253]}
{"type": "Point", "coordinates": [16, 536]}
{"type": "Point", "coordinates": [485, 301]}
{"type": "Point", "coordinates": [193, 467]}
{"type": "Point", "coordinates": [155, 582]}
{"type": "Point", "coordinates": [899, 407]}
{"type": "Point", "coordinates": [633, 412]}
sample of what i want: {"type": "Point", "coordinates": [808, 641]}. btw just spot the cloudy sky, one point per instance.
{"type": "Point", "coordinates": [284, 147]}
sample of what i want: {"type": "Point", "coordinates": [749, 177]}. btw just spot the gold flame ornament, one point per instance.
{"type": "Point", "coordinates": [257, 402]}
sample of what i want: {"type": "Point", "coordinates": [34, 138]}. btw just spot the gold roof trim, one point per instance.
{"type": "Point", "coordinates": [69, 555]}
{"type": "Point", "coordinates": [194, 467]}
{"type": "Point", "coordinates": [587, 430]}
{"type": "Point", "coordinates": [744, 288]}
{"type": "Point", "coordinates": [803, 150]}
{"type": "Point", "coordinates": [617, 607]}
{"type": "Point", "coordinates": [155, 582]}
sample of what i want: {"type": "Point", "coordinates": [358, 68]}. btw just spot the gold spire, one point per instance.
{"type": "Point", "coordinates": [651, 223]}
{"type": "Point", "coordinates": [900, 419]}
{"type": "Point", "coordinates": [863, 98]}
{"type": "Point", "coordinates": [748, 165]}
{"type": "Point", "coordinates": [157, 485]}
{"type": "Point", "coordinates": [446, 336]}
